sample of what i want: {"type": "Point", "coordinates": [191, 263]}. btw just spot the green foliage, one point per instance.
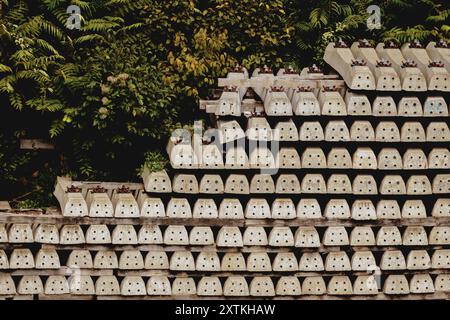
{"type": "Point", "coordinates": [109, 94]}
{"type": "Point", "coordinates": [24, 176]}
{"type": "Point", "coordinates": [10, 161]}
{"type": "Point", "coordinates": [120, 96]}
{"type": "Point", "coordinates": [153, 161]}
{"type": "Point", "coordinates": [319, 22]}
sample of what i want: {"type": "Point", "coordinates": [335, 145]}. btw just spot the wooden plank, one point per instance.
{"type": "Point", "coordinates": [263, 82]}
{"type": "Point", "coordinates": [247, 105]}
{"type": "Point", "coordinates": [109, 185]}
{"type": "Point", "coordinates": [380, 296]}
{"type": "Point", "coordinates": [171, 248]}
{"type": "Point", "coordinates": [28, 216]}
{"type": "Point", "coordinates": [63, 271]}
{"type": "Point", "coordinates": [35, 144]}
{"type": "Point", "coordinates": [245, 249]}
{"type": "Point", "coordinates": [23, 297]}
{"type": "Point", "coordinates": [294, 83]}
{"type": "Point", "coordinates": [204, 103]}
{"type": "Point", "coordinates": [173, 297]}
{"type": "Point", "coordinates": [172, 274]}
{"type": "Point", "coordinates": [245, 83]}
{"type": "Point", "coordinates": [17, 297]}
{"type": "Point", "coordinates": [65, 297]}
{"type": "Point", "coordinates": [4, 206]}
{"type": "Point", "coordinates": [12, 246]}
{"type": "Point", "coordinates": [23, 212]}
{"type": "Point", "coordinates": [53, 216]}
{"type": "Point", "coordinates": [146, 247]}
{"type": "Point", "coordinates": [324, 222]}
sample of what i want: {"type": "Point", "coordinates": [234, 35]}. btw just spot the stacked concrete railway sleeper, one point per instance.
{"type": "Point", "coordinates": [306, 186]}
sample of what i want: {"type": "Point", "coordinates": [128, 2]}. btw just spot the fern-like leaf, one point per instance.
{"type": "Point", "coordinates": [5, 68]}
{"type": "Point", "coordinates": [16, 100]}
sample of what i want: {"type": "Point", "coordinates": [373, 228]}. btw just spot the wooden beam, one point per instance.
{"type": "Point", "coordinates": [213, 248]}
{"type": "Point", "coordinates": [4, 205]}
{"type": "Point", "coordinates": [379, 296]}
{"type": "Point", "coordinates": [109, 185]}
{"type": "Point", "coordinates": [272, 274]}
{"type": "Point", "coordinates": [35, 144]}
{"type": "Point", "coordinates": [53, 215]}
{"type": "Point", "coordinates": [63, 271]}
{"type": "Point", "coordinates": [281, 82]}
{"type": "Point", "coordinates": [43, 296]}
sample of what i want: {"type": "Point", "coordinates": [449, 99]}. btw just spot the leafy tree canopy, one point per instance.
{"type": "Point", "coordinates": [109, 94]}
